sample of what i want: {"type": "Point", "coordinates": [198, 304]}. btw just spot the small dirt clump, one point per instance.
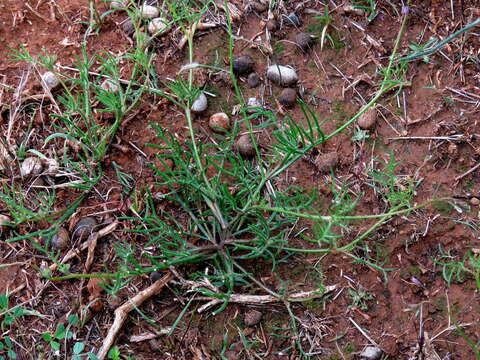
{"type": "Point", "coordinates": [368, 119]}
{"type": "Point", "coordinates": [242, 64]}
{"type": "Point", "coordinates": [252, 317]}
{"type": "Point", "coordinates": [287, 97]}
{"type": "Point", "coordinates": [85, 227]}
{"type": "Point", "coordinates": [219, 122]}
{"type": "Point", "coordinates": [324, 162]}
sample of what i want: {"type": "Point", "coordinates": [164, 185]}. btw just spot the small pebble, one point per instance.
{"type": "Point", "coordinates": [158, 26]}
{"type": "Point", "coordinates": [292, 19]}
{"type": "Point", "coordinates": [200, 104]}
{"type": "Point", "coordinates": [252, 317]}
{"type": "Point", "coordinates": [474, 201]}
{"type": "Point", "coordinates": [219, 122]}
{"type": "Point", "coordinates": [282, 75]}
{"type": "Point", "coordinates": [61, 240]}
{"type": "Point", "coordinates": [85, 227]}
{"type": "Point", "coordinates": [253, 80]}
{"type": "Point", "coordinates": [371, 353]}
{"type": "Point", "coordinates": [303, 40]}
{"type": "Point", "coordinates": [288, 97]}
{"type": "Point", "coordinates": [242, 64]}
{"type": "Point", "coordinates": [324, 162]}
{"type": "Point", "coordinates": [149, 12]}
{"type": "Point", "coordinates": [245, 146]}
{"type": "Point", "coordinates": [368, 119]}
{"type": "Point", "coordinates": [50, 80]}
{"type": "Point", "coordinates": [31, 166]}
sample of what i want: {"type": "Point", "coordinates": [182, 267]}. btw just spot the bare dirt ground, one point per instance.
{"type": "Point", "coordinates": [431, 127]}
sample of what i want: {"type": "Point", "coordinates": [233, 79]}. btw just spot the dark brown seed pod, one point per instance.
{"type": "Point", "coordinates": [85, 227]}
{"type": "Point", "coordinates": [288, 97]}
{"type": "Point", "coordinates": [303, 41]}
{"type": "Point", "coordinates": [253, 80]}
{"type": "Point", "coordinates": [252, 317]}
{"type": "Point", "coordinates": [245, 146]}
{"type": "Point", "coordinates": [242, 64]}
{"type": "Point", "coordinates": [61, 240]}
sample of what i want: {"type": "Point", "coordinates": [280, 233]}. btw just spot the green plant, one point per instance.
{"type": "Point", "coordinates": [370, 6]}
{"type": "Point", "coordinates": [459, 270]}
{"type": "Point", "coordinates": [360, 297]}
{"type": "Point", "coordinates": [7, 348]}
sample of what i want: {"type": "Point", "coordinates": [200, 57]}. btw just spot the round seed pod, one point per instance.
{"type": "Point", "coordinates": [85, 227]}
{"type": "Point", "coordinates": [288, 97]}
{"type": "Point", "coordinates": [245, 146]}
{"type": "Point", "coordinates": [200, 104]}
{"type": "Point", "coordinates": [31, 166]}
{"type": "Point", "coordinates": [219, 122]}
{"type": "Point", "coordinates": [61, 240]}
{"type": "Point", "coordinates": [282, 75]}
{"type": "Point", "coordinates": [149, 12]}
{"type": "Point", "coordinates": [119, 5]}
{"type": "Point", "coordinates": [50, 80]}
{"type": "Point", "coordinates": [128, 27]}
{"type": "Point", "coordinates": [368, 119]}
{"type": "Point", "coordinates": [303, 41]}
{"type": "Point", "coordinates": [253, 80]}
{"type": "Point", "coordinates": [242, 64]}
{"type": "Point", "coordinates": [154, 276]}
{"type": "Point", "coordinates": [158, 26]}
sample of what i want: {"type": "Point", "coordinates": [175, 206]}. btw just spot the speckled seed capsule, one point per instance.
{"type": "Point", "coordinates": [219, 122]}
{"type": "Point", "coordinates": [200, 104]}
{"type": "Point", "coordinates": [158, 26]}
{"type": "Point", "coordinates": [61, 240]}
{"type": "Point", "coordinates": [149, 12]}
{"type": "Point", "coordinates": [31, 166]}
{"type": "Point", "coordinates": [282, 75]}
{"type": "Point", "coordinates": [50, 80]}
{"type": "Point", "coordinates": [85, 227]}
{"type": "Point", "coordinates": [245, 146]}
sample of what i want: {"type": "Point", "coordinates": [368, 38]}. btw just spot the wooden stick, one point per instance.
{"type": "Point", "coordinates": [122, 312]}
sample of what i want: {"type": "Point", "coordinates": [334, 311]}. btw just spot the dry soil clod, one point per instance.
{"type": "Point", "coordinates": [368, 119]}
{"type": "Point", "coordinates": [303, 41]}
{"type": "Point", "coordinates": [287, 97]}
{"type": "Point", "coordinates": [61, 240]}
{"type": "Point", "coordinates": [245, 146]}
{"type": "Point", "coordinates": [252, 317]}
{"type": "Point", "coordinates": [282, 75]}
{"type": "Point", "coordinates": [50, 80]}
{"type": "Point", "coordinates": [149, 12]}
{"type": "Point", "coordinates": [242, 64]}
{"type": "Point", "coordinates": [219, 122]}
{"type": "Point", "coordinates": [31, 166]}
{"type": "Point", "coordinates": [324, 162]}
{"type": "Point", "coordinates": [85, 227]}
